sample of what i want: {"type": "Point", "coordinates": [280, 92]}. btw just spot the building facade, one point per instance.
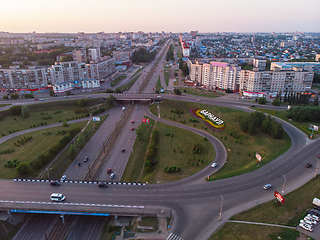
{"type": "Point", "coordinates": [307, 66]}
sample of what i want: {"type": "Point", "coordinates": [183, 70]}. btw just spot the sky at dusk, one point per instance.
{"type": "Point", "coordinates": [163, 15]}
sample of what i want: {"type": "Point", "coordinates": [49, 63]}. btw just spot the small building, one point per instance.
{"type": "Point", "coordinates": [90, 83]}
{"type": "Point", "coordinates": [62, 87]}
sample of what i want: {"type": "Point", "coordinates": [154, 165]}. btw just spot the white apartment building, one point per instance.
{"type": "Point", "coordinates": [101, 70]}
{"type": "Point", "coordinates": [94, 54]}
{"type": "Point", "coordinates": [215, 75]}
{"type": "Point", "coordinates": [296, 80]}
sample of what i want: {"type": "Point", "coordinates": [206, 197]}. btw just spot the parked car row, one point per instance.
{"type": "Point", "coordinates": [311, 219]}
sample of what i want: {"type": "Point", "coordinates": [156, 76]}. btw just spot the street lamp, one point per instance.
{"type": "Point", "coordinates": [285, 180]}
{"type": "Point", "coordinates": [48, 172]}
{"type": "Point", "coordinates": [221, 207]}
{"type": "Point", "coordinates": [315, 173]}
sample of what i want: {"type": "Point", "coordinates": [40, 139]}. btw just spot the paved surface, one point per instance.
{"type": "Point", "coordinates": [263, 224]}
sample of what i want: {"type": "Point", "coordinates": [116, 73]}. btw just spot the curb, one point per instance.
{"type": "Point", "coordinates": [75, 181]}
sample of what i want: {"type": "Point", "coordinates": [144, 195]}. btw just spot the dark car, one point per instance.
{"type": "Point", "coordinates": [123, 150]}
{"type": "Point", "coordinates": [36, 99]}
{"type": "Point", "coordinates": [309, 165]}
{"type": "Point", "coordinates": [109, 170]}
{"type": "Point", "coordinates": [86, 159]}
{"type": "Point", "coordinates": [78, 164]}
{"type": "Point", "coordinates": [313, 213]}
{"type": "Point", "coordinates": [54, 183]}
{"type": "Point", "coordinates": [253, 106]}
{"type": "Point", "coordinates": [102, 184]}
{"type": "Point", "coordinates": [317, 208]}
{"type": "Point", "coordinates": [132, 129]}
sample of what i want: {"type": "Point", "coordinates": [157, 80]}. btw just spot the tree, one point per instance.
{"type": "Point", "coordinates": [65, 124]}
{"type": "Point", "coordinates": [276, 102]}
{"type": "Point", "coordinates": [14, 96]}
{"type": "Point", "coordinates": [185, 70]}
{"type": "Point", "coordinates": [262, 100]}
{"type": "Point", "coordinates": [82, 102]}
{"type": "Point", "coordinates": [81, 141]}
{"type": "Point", "coordinates": [316, 101]}
{"type": "Point", "coordinates": [51, 92]}
{"type": "Point", "coordinates": [181, 63]}
{"type": "Point", "coordinates": [68, 93]}
{"type": "Point", "coordinates": [72, 151]}
{"type": "Point", "coordinates": [5, 97]}
{"type": "Point", "coordinates": [66, 58]}
{"type": "Point", "coordinates": [23, 168]}
{"type": "Point", "coordinates": [177, 91]}
{"type": "Point", "coordinates": [110, 100]}
{"type": "Point", "coordinates": [25, 112]}
{"type": "Point", "coordinates": [15, 110]}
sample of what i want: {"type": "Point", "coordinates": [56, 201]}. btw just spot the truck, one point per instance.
{"type": "Point", "coordinates": [316, 201]}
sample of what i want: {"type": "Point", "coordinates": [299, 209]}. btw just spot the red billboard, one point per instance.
{"type": "Point", "coordinates": [279, 197]}
{"type": "Point", "coordinates": [145, 120]}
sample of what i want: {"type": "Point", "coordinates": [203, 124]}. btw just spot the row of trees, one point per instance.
{"type": "Point", "coordinates": [151, 159]}
{"type": "Point", "coordinates": [170, 56]}
{"type": "Point", "coordinates": [184, 67]}
{"type": "Point", "coordinates": [294, 98]}
{"type": "Point", "coordinates": [257, 121]}
{"type": "Point", "coordinates": [18, 110]}
{"type": "Point", "coordinates": [142, 55]}
{"type": "Point", "coordinates": [304, 113]}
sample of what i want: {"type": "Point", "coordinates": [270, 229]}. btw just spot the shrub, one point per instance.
{"type": "Point", "coordinates": [65, 124]}
{"type": "Point", "coordinates": [15, 110]}
{"type": "Point", "coordinates": [23, 168]}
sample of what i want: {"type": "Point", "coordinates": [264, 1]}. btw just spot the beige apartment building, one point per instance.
{"type": "Point", "coordinates": [296, 80]}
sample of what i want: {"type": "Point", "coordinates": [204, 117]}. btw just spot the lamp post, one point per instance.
{"type": "Point", "coordinates": [284, 184]}
{"type": "Point", "coordinates": [221, 207]}
{"type": "Point", "coordinates": [48, 172]}
{"type": "Point", "coordinates": [315, 172]}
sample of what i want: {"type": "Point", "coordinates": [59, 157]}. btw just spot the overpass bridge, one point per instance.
{"type": "Point", "coordinates": [137, 97]}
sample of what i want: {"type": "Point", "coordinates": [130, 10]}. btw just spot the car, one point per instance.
{"type": "Point", "coordinates": [214, 165]}
{"type": "Point", "coordinates": [109, 170]}
{"type": "Point", "coordinates": [36, 99]}
{"type": "Point", "coordinates": [78, 165]}
{"type": "Point", "coordinates": [57, 197]}
{"type": "Point", "coordinates": [197, 100]}
{"type": "Point", "coordinates": [88, 96]}
{"type": "Point", "coordinates": [54, 183]}
{"type": "Point", "coordinates": [41, 99]}
{"type": "Point", "coordinates": [315, 210]}
{"type": "Point", "coordinates": [132, 121]}
{"type": "Point", "coordinates": [316, 207]}
{"type": "Point", "coordinates": [319, 155]}
{"type": "Point", "coordinates": [132, 129]}
{"type": "Point", "coordinates": [253, 106]}
{"type": "Point", "coordinates": [313, 213]}
{"type": "Point", "coordinates": [63, 178]}
{"type": "Point", "coordinates": [112, 175]}
{"type": "Point", "coordinates": [102, 184]}
{"type": "Point", "coordinates": [309, 165]}
{"type": "Point", "coordinates": [313, 217]}
{"type": "Point", "coordinates": [123, 150]}
{"type": "Point", "coordinates": [314, 222]}
{"type": "Point", "coordinates": [267, 186]}
{"type": "Point", "coordinates": [136, 108]}
{"type": "Point", "coordinates": [306, 221]}
{"type": "Point", "coordinates": [306, 227]}
{"type": "Point", "coordinates": [65, 96]}
{"type": "Point", "coordinates": [86, 159]}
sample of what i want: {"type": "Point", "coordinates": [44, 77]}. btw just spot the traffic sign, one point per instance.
{"type": "Point", "coordinates": [279, 197]}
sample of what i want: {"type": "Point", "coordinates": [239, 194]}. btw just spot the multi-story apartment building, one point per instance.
{"type": "Point", "coordinates": [307, 66]}
{"type": "Point", "coordinates": [296, 80]}
{"type": "Point", "coordinates": [102, 69]}
{"type": "Point", "coordinates": [260, 63]}
{"type": "Point", "coordinates": [79, 55]}
{"type": "Point", "coordinates": [215, 75]}
{"type": "Point", "coordinates": [68, 71]}
{"type": "Point", "coordinates": [94, 54]}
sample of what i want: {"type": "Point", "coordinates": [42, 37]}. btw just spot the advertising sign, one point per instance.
{"type": "Point", "coordinates": [258, 157]}
{"type": "Point", "coordinates": [279, 197]}
{"type": "Point", "coordinates": [145, 120]}
{"type": "Point", "coordinates": [96, 119]}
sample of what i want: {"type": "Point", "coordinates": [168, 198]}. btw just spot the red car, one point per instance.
{"type": "Point", "coordinates": [109, 170]}
{"type": "Point", "coordinates": [132, 121]}
{"type": "Point", "coordinates": [132, 129]}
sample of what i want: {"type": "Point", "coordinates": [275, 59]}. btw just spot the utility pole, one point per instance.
{"type": "Point", "coordinates": [221, 207]}
{"type": "Point", "coordinates": [89, 172]}
{"type": "Point", "coordinates": [284, 184]}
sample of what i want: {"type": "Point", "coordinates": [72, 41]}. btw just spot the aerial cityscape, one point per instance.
{"type": "Point", "coordinates": [150, 120]}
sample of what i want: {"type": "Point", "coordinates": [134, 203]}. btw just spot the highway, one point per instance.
{"type": "Point", "coordinates": [195, 203]}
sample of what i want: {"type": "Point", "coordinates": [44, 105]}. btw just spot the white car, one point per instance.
{"type": "Point", "coordinates": [63, 178]}
{"type": "Point", "coordinates": [306, 227]}
{"type": "Point", "coordinates": [306, 222]}
{"type": "Point", "coordinates": [214, 165]}
{"type": "Point", "coordinates": [313, 217]}
{"type": "Point", "coordinates": [314, 222]}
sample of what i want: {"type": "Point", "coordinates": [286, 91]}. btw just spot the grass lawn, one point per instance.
{"type": "Point", "coordinates": [105, 235]}
{"type": "Point", "coordinates": [117, 80]}
{"type": "Point", "coordinates": [289, 214]}
{"type": "Point", "coordinates": [129, 84]}
{"type": "Point", "coordinates": [3, 105]}
{"type": "Point", "coordinates": [133, 170]}
{"type": "Point", "coordinates": [303, 126]}
{"type": "Point", "coordinates": [58, 111]}
{"type": "Point", "coordinates": [167, 81]}
{"type": "Point", "coordinates": [177, 150]}
{"type": "Point", "coordinates": [176, 82]}
{"type": "Point", "coordinates": [240, 158]}
{"type": "Point", "coordinates": [166, 66]}
{"type": "Point", "coordinates": [8, 230]}
{"type": "Point", "coordinates": [166, 73]}
{"type": "Point", "coordinates": [41, 142]}
{"type": "Point", "coordinates": [64, 161]}
{"type": "Point", "coordinates": [179, 52]}
{"type": "Point", "coordinates": [201, 93]}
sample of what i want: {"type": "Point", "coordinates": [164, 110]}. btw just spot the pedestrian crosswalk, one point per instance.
{"type": "Point", "coordinates": [173, 236]}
